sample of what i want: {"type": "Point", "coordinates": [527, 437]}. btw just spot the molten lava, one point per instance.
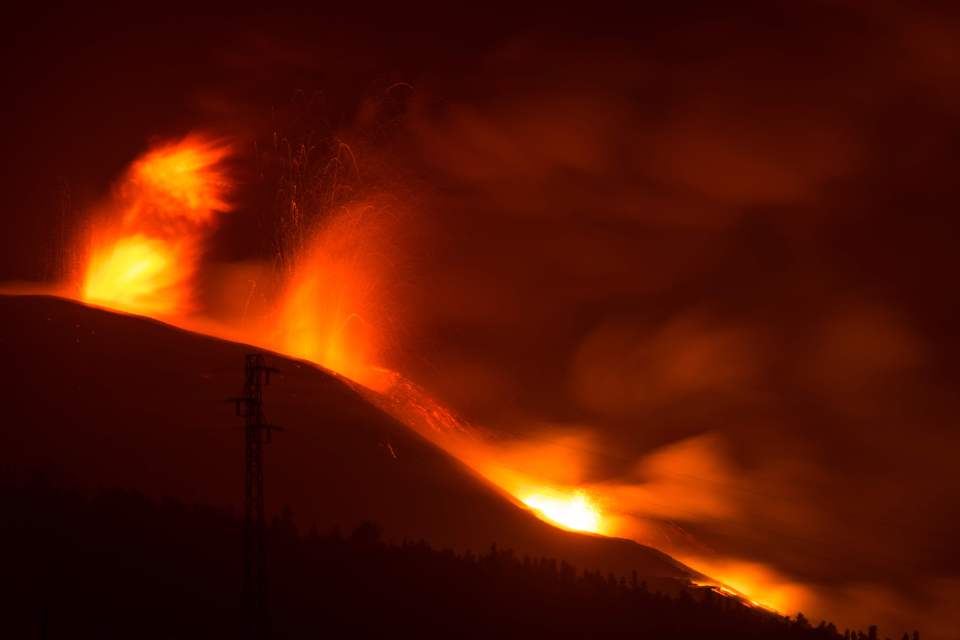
{"type": "Point", "coordinates": [143, 252]}
{"type": "Point", "coordinates": [135, 273]}
{"type": "Point", "coordinates": [753, 583]}
{"type": "Point", "coordinates": [575, 511]}
{"type": "Point", "coordinates": [330, 305]}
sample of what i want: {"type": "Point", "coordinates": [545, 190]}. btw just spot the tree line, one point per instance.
{"type": "Point", "coordinates": [116, 564]}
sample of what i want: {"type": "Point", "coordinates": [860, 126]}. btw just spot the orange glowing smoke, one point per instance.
{"type": "Point", "coordinates": [143, 252]}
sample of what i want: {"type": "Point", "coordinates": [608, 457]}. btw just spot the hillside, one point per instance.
{"type": "Point", "coordinates": [99, 399]}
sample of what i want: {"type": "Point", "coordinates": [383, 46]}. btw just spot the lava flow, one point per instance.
{"type": "Point", "coordinates": [576, 512]}
{"type": "Point", "coordinates": [540, 474]}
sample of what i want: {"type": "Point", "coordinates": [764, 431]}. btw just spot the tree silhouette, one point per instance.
{"type": "Point", "coordinates": [114, 564]}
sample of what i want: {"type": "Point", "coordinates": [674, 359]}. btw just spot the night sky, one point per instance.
{"type": "Point", "coordinates": [728, 231]}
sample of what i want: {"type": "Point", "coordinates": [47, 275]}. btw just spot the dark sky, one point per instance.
{"type": "Point", "coordinates": [729, 226]}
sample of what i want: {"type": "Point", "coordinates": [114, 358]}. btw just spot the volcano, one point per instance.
{"type": "Point", "coordinates": [102, 399]}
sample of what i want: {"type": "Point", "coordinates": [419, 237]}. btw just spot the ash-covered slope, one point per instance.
{"type": "Point", "coordinates": [105, 399]}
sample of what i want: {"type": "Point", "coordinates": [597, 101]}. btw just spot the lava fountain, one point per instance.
{"type": "Point", "coordinates": [329, 307]}
{"type": "Point", "coordinates": [143, 250]}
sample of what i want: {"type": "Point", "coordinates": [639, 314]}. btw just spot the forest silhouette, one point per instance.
{"type": "Point", "coordinates": [112, 563]}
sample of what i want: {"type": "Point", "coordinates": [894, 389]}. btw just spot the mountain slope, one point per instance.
{"type": "Point", "coordinates": [106, 399]}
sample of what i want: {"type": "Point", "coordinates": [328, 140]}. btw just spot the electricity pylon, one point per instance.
{"type": "Point", "coordinates": [250, 407]}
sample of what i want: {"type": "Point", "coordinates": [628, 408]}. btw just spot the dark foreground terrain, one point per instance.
{"type": "Point", "coordinates": [96, 399]}
{"type": "Point", "coordinates": [113, 400]}
{"type": "Point", "coordinates": [116, 564]}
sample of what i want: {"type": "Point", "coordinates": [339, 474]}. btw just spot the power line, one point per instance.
{"type": "Point", "coordinates": [250, 407]}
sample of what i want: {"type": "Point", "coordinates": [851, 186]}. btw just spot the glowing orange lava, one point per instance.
{"type": "Point", "coordinates": [143, 252]}
{"type": "Point", "coordinates": [330, 307]}
{"type": "Point", "coordinates": [132, 273]}
{"type": "Point", "coordinates": [575, 510]}
{"type": "Point", "coordinates": [754, 583]}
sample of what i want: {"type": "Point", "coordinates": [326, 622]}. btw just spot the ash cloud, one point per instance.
{"type": "Point", "coordinates": [701, 244]}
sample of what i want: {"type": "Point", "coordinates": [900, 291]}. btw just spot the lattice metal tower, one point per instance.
{"type": "Point", "coordinates": [257, 431]}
